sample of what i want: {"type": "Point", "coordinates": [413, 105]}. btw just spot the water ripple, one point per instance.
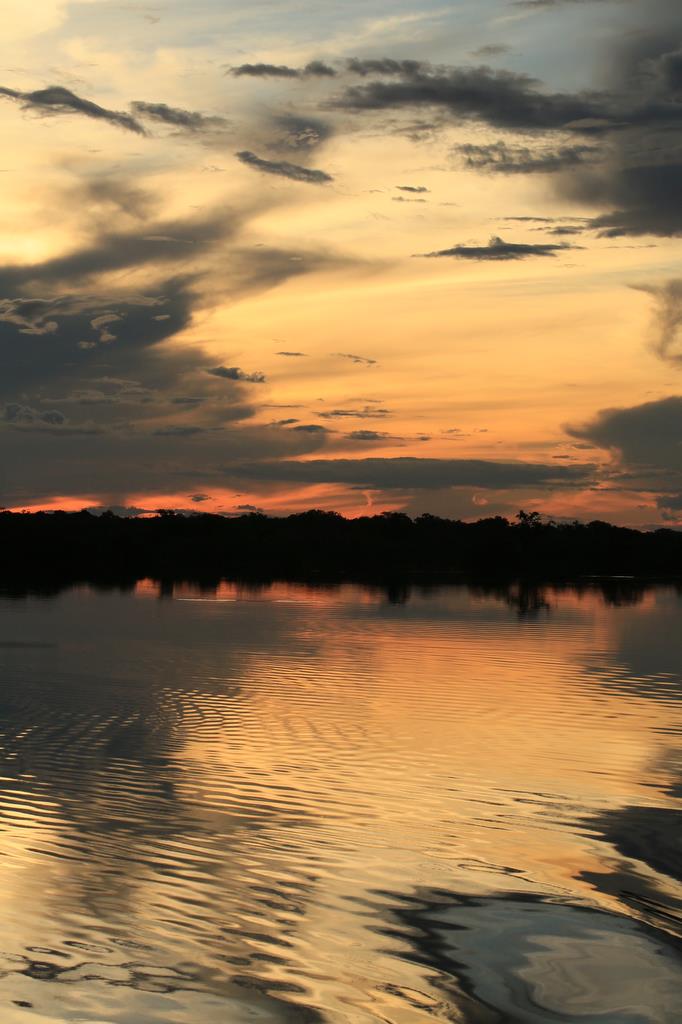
{"type": "Point", "coordinates": [321, 804]}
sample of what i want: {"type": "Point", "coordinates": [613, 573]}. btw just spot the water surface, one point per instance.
{"type": "Point", "coordinates": [343, 804]}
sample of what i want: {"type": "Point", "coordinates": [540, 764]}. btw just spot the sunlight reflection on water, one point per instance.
{"type": "Point", "coordinates": [291, 803]}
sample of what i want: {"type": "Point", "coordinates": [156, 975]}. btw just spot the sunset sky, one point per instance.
{"type": "Point", "coordinates": [357, 256]}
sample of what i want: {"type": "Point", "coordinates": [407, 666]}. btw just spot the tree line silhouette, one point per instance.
{"type": "Point", "coordinates": [201, 546]}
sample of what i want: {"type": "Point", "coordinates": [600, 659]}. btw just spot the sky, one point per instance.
{"type": "Point", "coordinates": [364, 256]}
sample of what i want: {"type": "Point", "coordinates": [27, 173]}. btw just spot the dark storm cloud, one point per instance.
{"type": "Point", "coordinates": [668, 319]}
{"type": "Point", "coordinates": [505, 159]}
{"type": "Point", "coordinates": [69, 366]}
{"type": "Point", "coordinates": [504, 99]}
{"type": "Point", "coordinates": [498, 249]}
{"type": "Point", "coordinates": [284, 169]}
{"type": "Point", "coordinates": [669, 68]}
{"type": "Point", "coordinates": [187, 120]}
{"type": "Point", "coordinates": [646, 435]}
{"type": "Point", "coordinates": [235, 373]}
{"type": "Point", "coordinates": [58, 100]}
{"type": "Point", "coordinates": [314, 69]}
{"type": "Point", "coordinates": [639, 180]}
{"type": "Point", "coordinates": [647, 197]}
{"type": "Point", "coordinates": [411, 473]}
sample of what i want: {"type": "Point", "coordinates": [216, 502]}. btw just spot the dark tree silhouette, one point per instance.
{"type": "Point", "coordinates": [318, 544]}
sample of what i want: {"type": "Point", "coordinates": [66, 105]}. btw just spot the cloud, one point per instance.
{"type": "Point", "coordinates": [178, 430]}
{"type": "Point", "coordinates": [497, 249]}
{"type": "Point", "coordinates": [631, 172]}
{"type": "Point", "coordinates": [359, 360]}
{"type": "Point", "coordinates": [544, 4]}
{"type": "Point", "coordinates": [188, 120]}
{"type": "Point", "coordinates": [647, 196]}
{"type": "Point", "coordinates": [99, 394]}
{"type": "Point", "coordinates": [414, 473]}
{"type": "Point", "coordinates": [536, 220]}
{"type": "Point", "coordinates": [639, 178]}
{"type": "Point", "coordinates": [314, 69]}
{"type": "Point", "coordinates": [384, 66]}
{"type": "Point", "coordinates": [366, 435]}
{"type": "Point", "coordinates": [643, 436]}
{"type": "Point", "coordinates": [130, 450]}
{"type": "Point", "coordinates": [563, 230]}
{"type": "Point", "coordinates": [318, 69]}
{"type": "Point", "coordinates": [669, 68]}
{"type": "Point", "coordinates": [284, 169]}
{"type": "Point", "coordinates": [504, 99]}
{"type": "Point", "coordinates": [295, 132]}
{"type": "Point", "coordinates": [491, 50]}
{"type": "Point", "coordinates": [31, 316]}
{"type": "Point", "coordinates": [102, 323]}
{"type": "Point", "coordinates": [264, 71]}
{"type": "Point", "coordinates": [165, 242]}
{"type": "Point", "coordinates": [668, 319]}
{"type": "Point", "coordinates": [199, 498]}
{"type": "Point", "coordinates": [291, 354]}
{"type": "Point", "coordinates": [39, 361]}
{"type": "Point", "coordinates": [412, 188]}
{"type": "Point", "coordinates": [368, 412]}
{"type": "Point", "coordinates": [58, 100]}
{"type": "Point", "coordinates": [234, 373]}
{"type": "Point", "coordinates": [504, 159]}
{"type": "Point", "coordinates": [23, 415]}
{"type": "Point", "coordinates": [670, 506]}
{"type": "Point", "coordinates": [122, 511]}
{"type": "Point", "coordinates": [106, 196]}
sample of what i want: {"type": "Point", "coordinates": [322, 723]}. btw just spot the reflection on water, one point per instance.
{"type": "Point", "coordinates": [286, 803]}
